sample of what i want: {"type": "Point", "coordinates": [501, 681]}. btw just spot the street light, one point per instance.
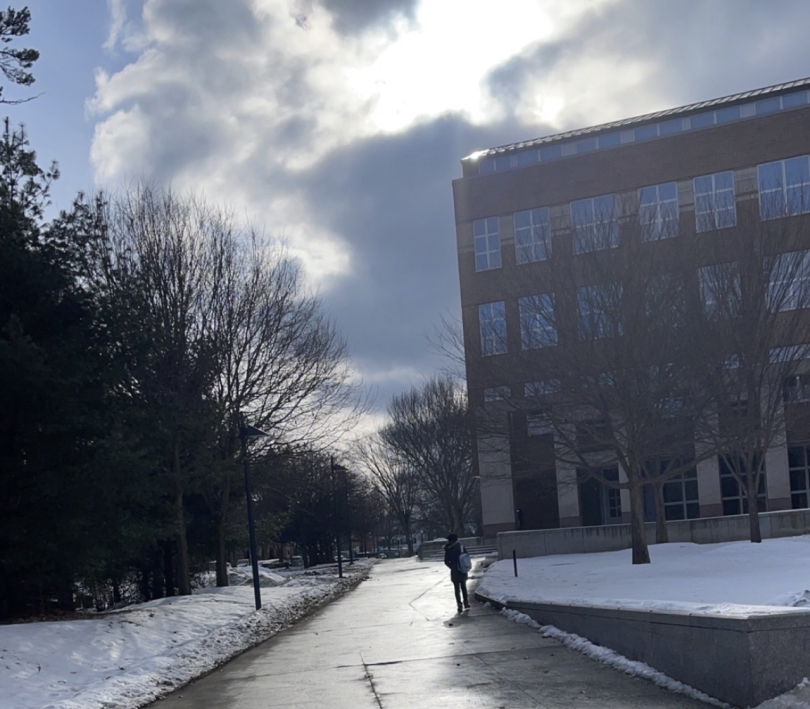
{"type": "Point", "coordinates": [335, 468]}
{"type": "Point", "coordinates": [245, 432]}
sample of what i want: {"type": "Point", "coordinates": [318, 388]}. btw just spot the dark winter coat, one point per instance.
{"type": "Point", "coordinates": [451, 554]}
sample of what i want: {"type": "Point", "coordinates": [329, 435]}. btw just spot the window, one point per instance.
{"type": "Point", "coordinates": [492, 319]}
{"type": "Point", "coordinates": [658, 211]}
{"type": "Point", "coordinates": [784, 187]}
{"type": "Point", "coordinates": [790, 353]}
{"type": "Point", "coordinates": [789, 281]}
{"type": "Point", "coordinates": [797, 389]}
{"type": "Point", "coordinates": [541, 388]}
{"type": "Point", "coordinates": [714, 201]}
{"type": "Point", "coordinates": [734, 499]}
{"type": "Point", "coordinates": [538, 424]}
{"type": "Point", "coordinates": [799, 471]}
{"type": "Point", "coordinates": [599, 310]}
{"type": "Point", "coordinates": [487, 244]}
{"type": "Point", "coordinates": [496, 394]}
{"type": "Point", "coordinates": [681, 496]}
{"type": "Point", "coordinates": [532, 235]}
{"type": "Point", "coordinates": [537, 323]}
{"type": "Point", "coordinates": [720, 289]}
{"type": "Point", "coordinates": [595, 224]}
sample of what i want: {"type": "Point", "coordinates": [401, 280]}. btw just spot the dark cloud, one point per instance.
{"type": "Point", "coordinates": [355, 16]}
{"type": "Point", "coordinates": [391, 199]}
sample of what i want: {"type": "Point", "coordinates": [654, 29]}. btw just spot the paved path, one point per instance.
{"type": "Point", "coordinates": [396, 642]}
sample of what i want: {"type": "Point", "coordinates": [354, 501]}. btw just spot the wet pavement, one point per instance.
{"type": "Point", "coordinates": [396, 642]}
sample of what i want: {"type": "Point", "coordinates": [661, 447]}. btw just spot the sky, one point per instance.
{"type": "Point", "coordinates": [339, 125]}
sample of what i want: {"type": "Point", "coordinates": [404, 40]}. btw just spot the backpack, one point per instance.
{"type": "Point", "coordinates": [464, 561]}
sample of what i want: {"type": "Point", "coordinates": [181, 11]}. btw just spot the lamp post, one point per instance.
{"type": "Point", "coordinates": [245, 432]}
{"type": "Point", "coordinates": [335, 468]}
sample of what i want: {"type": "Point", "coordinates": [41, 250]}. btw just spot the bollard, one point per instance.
{"type": "Point", "coordinates": [514, 559]}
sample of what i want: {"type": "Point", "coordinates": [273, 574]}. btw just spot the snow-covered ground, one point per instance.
{"type": "Point", "coordinates": [129, 657]}
{"type": "Point", "coordinates": [773, 573]}
{"type": "Point", "coordinates": [731, 579]}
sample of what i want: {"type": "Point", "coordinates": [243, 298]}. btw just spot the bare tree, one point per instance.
{"type": "Point", "coordinates": [754, 332]}
{"type": "Point", "coordinates": [430, 430]}
{"type": "Point", "coordinates": [396, 481]}
{"type": "Point", "coordinates": [223, 329]}
{"type": "Point", "coordinates": [602, 363]}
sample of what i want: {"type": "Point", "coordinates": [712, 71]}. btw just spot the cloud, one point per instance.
{"type": "Point", "coordinates": [352, 17]}
{"type": "Point", "coordinates": [339, 124]}
{"type": "Point", "coordinates": [632, 57]}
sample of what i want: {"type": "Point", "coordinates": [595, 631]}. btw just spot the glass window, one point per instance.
{"type": "Point", "coordinates": [487, 244]}
{"type": "Point", "coordinates": [670, 127]}
{"type": "Point", "coordinates": [497, 393]}
{"type": "Point", "coordinates": [681, 497]}
{"type": "Point", "coordinates": [797, 389]}
{"type": "Point", "coordinates": [492, 320]}
{"type": "Point", "coordinates": [735, 501]}
{"type": "Point", "coordinates": [538, 424]}
{"type": "Point", "coordinates": [720, 289]}
{"type": "Point", "coordinates": [789, 281]}
{"type": "Point", "coordinates": [798, 457]}
{"type": "Point", "coordinates": [658, 211]}
{"type": "Point", "coordinates": [790, 353]}
{"type": "Point", "coordinates": [702, 120]}
{"type": "Point", "coordinates": [529, 157]}
{"type": "Point", "coordinates": [599, 309]}
{"type": "Point", "coordinates": [595, 224]}
{"type": "Point", "coordinates": [532, 235]}
{"type": "Point", "coordinates": [537, 323]}
{"type": "Point", "coordinates": [486, 166]}
{"type": "Point", "coordinates": [793, 100]}
{"type": "Point", "coordinates": [646, 132]}
{"type": "Point", "coordinates": [610, 140]}
{"type": "Point", "coordinates": [503, 162]}
{"type": "Point", "coordinates": [541, 388]}
{"type": "Point", "coordinates": [550, 152]}
{"type": "Point", "coordinates": [727, 114]}
{"type": "Point", "coordinates": [715, 207]}
{"type": "Point", "coordinates": [784, 187]}
{"type": "Point", "coordinates": [585, 146]}
{"type": "Point", "coordinates": [768, 105]}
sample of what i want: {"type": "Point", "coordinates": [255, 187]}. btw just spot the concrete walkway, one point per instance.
{"type": "Point", "coordinates": [397, 642]}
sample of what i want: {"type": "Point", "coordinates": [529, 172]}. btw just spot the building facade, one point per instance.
{"type": "Point", "coordinates": [526, 212]}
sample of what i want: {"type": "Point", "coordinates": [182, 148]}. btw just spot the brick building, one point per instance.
{"type": "Point", "coordinates": [527, 211]}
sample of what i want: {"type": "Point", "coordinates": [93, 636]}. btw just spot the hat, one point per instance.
{"type": "Point", "coordinates": [452, 538]}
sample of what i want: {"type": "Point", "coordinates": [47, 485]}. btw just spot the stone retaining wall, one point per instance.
{"type": "Point", "coordinates": [757, 654]}
{"type": "Point", "coordinates": [705, 530]}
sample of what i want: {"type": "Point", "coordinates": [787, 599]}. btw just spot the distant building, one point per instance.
{"type": "Point", "coordinates": [523, 210]}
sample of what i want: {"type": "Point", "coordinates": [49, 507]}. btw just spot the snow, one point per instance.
{"type": "Point", "coordinates": [712, 578]}
{"type": "Point", "coordinates": [732, 579]}
{"type": "Point", "coordinates": [129, 657]}
{"type": "Point", "coordinates": [614, 659]}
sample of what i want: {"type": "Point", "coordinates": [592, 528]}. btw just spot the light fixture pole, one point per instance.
{"type": "Point", "coordinates": [245, 432]}
{"type": "Point", "coordinates": [335, 468]}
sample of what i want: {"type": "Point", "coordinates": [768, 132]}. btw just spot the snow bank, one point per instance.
{"type": "Point", "coordinates": [129, 657]}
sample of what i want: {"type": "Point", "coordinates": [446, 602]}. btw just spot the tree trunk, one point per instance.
{"type": "Point", "coordinates": [183, 565]}
{"type": "Point", "coordinates": [753, 511]}
{"type": "Point", "coordinates": [407, 526]}
{"type": "Point", "coordinates": [641, 554]}
{"type": "Point", "coordinates": [222, 526]}
{"type": "Point", "coordinates": [661, 533]}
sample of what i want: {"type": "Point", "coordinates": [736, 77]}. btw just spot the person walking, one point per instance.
{"type": "Point", "coordinates": [452, 551]}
